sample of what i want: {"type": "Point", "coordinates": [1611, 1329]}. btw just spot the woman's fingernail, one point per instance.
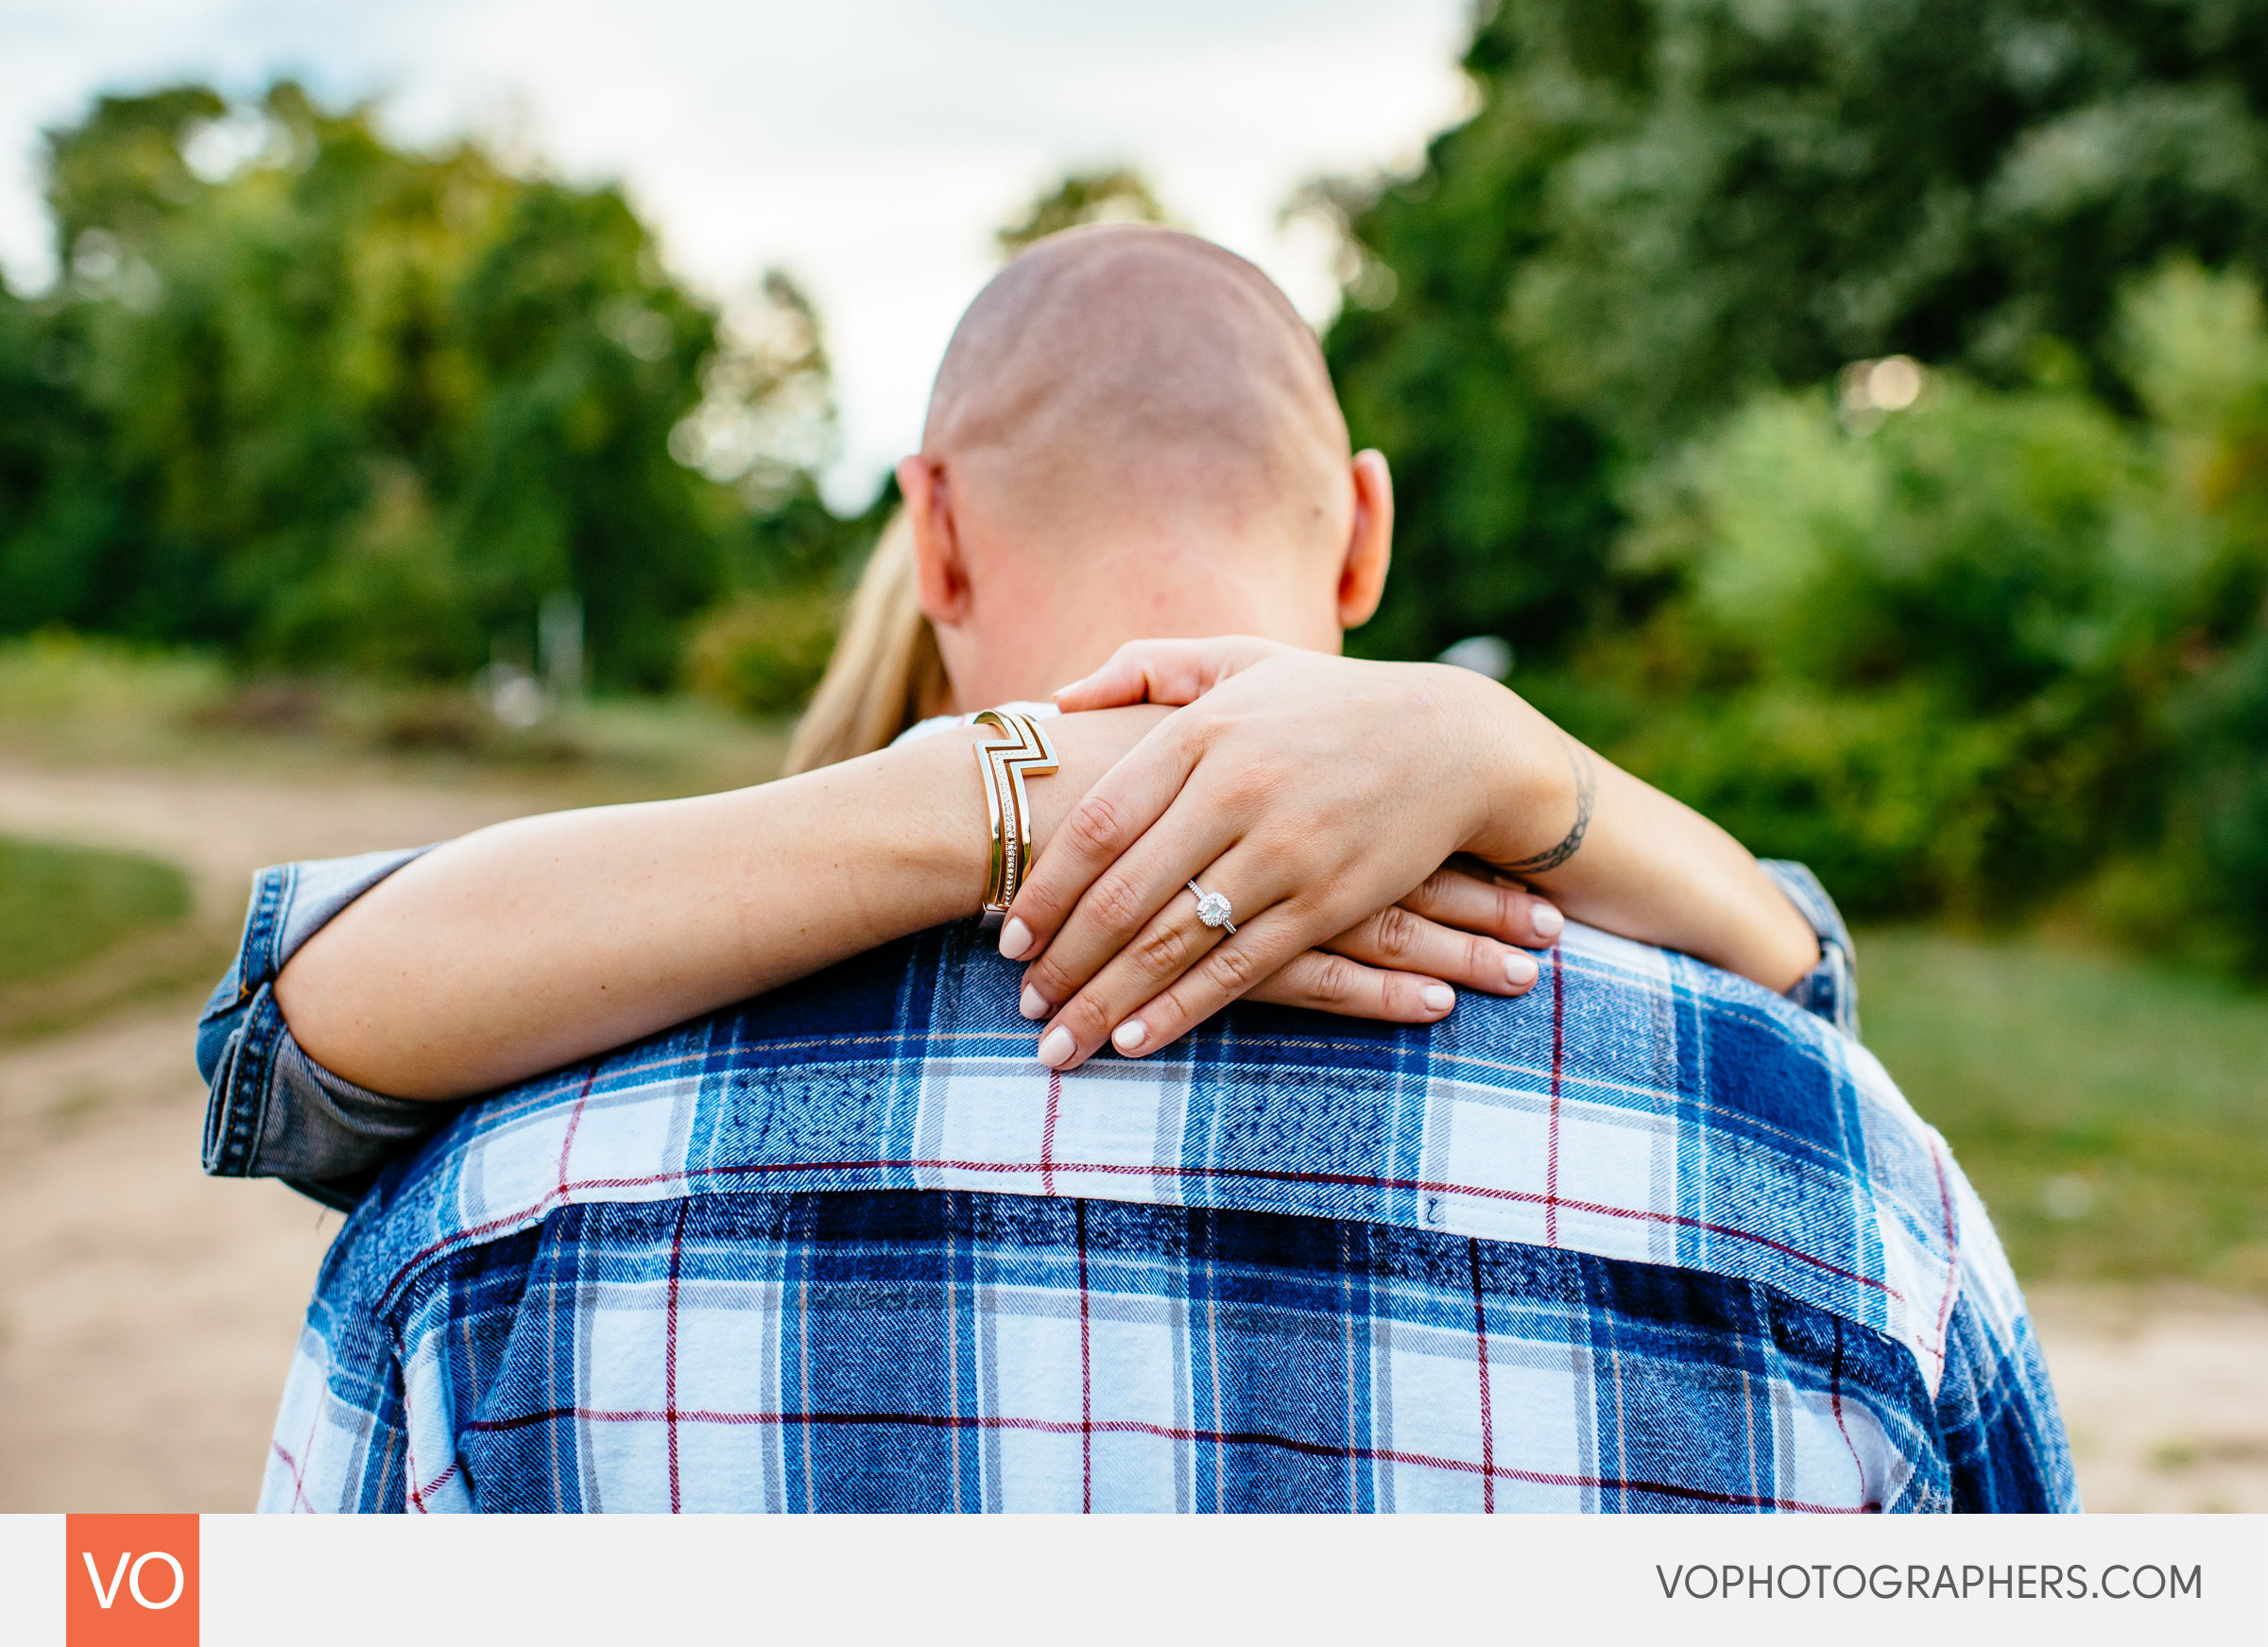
{"type": "Point", "coordinates": [1016, 937]}
{"type": "Point", "coordinates": [1055, 1047]}
{"type": "Point", "coordinates": [1129, 1036]}
{"type": "Point", "coordinates": [1065, 687]}
{"type": "Point", "coordinates": [1546, 921]}
{"type": "Point", "coordinates": [1520, 969]}
{"type": "Point", "coordinates": [1438, 997]}
{"type": "Point", "coordinates": [1031, 1006]}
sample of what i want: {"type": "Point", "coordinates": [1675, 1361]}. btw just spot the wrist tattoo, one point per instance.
{"type": "Point", "coordinates": [1587, 793]}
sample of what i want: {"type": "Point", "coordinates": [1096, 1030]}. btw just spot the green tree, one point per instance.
{"type": "Point", "coordinates": [1661, 206]}
{"type": "Point", "coordinates": [2195, 346]}
{"type": "Point", "coordinates": [1908, 654]}
{"type": "Point", "coordinates": [1995, 647]}
{"type": "Point", "coordinates": [59, 517]}
{"type": "Point", "coordinates": [359, 406]}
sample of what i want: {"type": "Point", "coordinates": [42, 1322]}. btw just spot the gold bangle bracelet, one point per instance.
{"type": "Point", "coordinates": [1021, 749]}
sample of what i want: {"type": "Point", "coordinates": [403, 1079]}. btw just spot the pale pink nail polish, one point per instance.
{"type": "Point", "coordinates": [1438, 997]}
{"type": "Point", "coordinates": [1031, 1006]}
{"type": "Point", "coordinates": [1129, 1036]}
{"type": "Point", "coordinates": [1015, 939]}
{"type": "Point", "coordinates": [1055, 1047]}
{"type": "Point", "coordinates": [1520, 969]}
{"type": "Point", "coordinates": [1547, 921]}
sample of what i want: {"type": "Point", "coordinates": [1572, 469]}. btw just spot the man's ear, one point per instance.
{"type": "Point", "coordinates": [1369, 544]}
{"type": "Point", "coordinates": [940, 575]}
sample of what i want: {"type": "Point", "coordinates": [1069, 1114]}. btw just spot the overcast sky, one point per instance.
{"type": "Point", "coordinates": [870, 148]}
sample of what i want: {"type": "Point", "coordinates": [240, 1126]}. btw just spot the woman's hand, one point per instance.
{"type": "Point", "coordinates": [1458, 927]}
{"type": "Point", "coordinates": [1321, 797]}
{"type": "Point", "coordinates": [1401, 964]}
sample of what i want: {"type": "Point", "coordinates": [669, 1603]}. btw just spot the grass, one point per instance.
{"type": "Point", "coordinates": [62, 906]}
{"type": "Point", "coordinates": [85, 932]}
{"type": "Point", "coordinates": [76, 701]}
{"type": "Point", "coordinates": [2112, 1113]}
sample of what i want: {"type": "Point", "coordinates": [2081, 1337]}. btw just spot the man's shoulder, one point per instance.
{"type": "Point", "coordinates": [1635, 1104]}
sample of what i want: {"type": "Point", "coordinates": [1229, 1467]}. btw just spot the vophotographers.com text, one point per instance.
{"type": "Point", "coordinates": [1889, 1582]}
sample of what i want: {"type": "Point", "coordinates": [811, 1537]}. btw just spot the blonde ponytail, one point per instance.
{"type": "Point", "coordinates": [886, 671]}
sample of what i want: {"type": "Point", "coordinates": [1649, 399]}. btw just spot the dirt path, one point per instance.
{"type": "Point", "coordinates": [147, 1313]}
{"type": "Point", "coordinates": [2163, 1394]}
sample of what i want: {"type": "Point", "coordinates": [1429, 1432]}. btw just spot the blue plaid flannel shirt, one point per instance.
{"type": "Point", "coordinates": [1647, 1238]}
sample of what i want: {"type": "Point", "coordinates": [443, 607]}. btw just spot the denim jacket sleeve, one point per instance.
{"type": "Point", "coordinates": [275, 1112]}
{"type": "Point", "coordinates": [1831, 988]}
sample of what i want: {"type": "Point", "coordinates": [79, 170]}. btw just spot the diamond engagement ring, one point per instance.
{"type": "Point", "coordinates": [1212, 909]}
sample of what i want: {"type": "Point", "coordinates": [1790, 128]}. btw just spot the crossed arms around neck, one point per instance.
{"type": "Point", "coordinates": [541, 941]}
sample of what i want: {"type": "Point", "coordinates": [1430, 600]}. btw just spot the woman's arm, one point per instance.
{"type": "Point", "coordinates": [1635, 862]}
{"type": "Point", "coordinates": [1302, 787]}
{"type": "Point", "coordinates": [534, 943]}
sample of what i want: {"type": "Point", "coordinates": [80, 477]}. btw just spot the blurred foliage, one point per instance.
{"type": "Point", "coordinates": [762, 653]}
{"type": "Point", "coordinates": [762, 649]}
{"type": "Point", "coordinates": [1662, 206]}
{"type": "Point", "coordinates": [1981, 651]}
{"type": "Point", "coordinates": [1109, 195]}
{"type": "Point", "coordinates": [1919, 648]}
{"type": "Point", "coordinates": [324, 402]}
{"type": "Point", "coordinates": [60, 905]}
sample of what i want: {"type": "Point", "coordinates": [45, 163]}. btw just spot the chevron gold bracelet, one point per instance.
{"type": "Point", "coordinates": [1018, 749]}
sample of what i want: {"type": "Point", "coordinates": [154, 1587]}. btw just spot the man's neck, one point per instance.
{"type": "Point", "coordinates": [1024, 641]}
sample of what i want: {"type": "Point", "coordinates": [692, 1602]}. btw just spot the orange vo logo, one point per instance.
{"type": "Point", "coordinates": [131, 1581]}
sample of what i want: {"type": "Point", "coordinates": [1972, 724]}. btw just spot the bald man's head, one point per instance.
{"type": "Point", "coordinates": [1133, 377]}
{"type": "Point", "coordinates": [1133, 434]}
